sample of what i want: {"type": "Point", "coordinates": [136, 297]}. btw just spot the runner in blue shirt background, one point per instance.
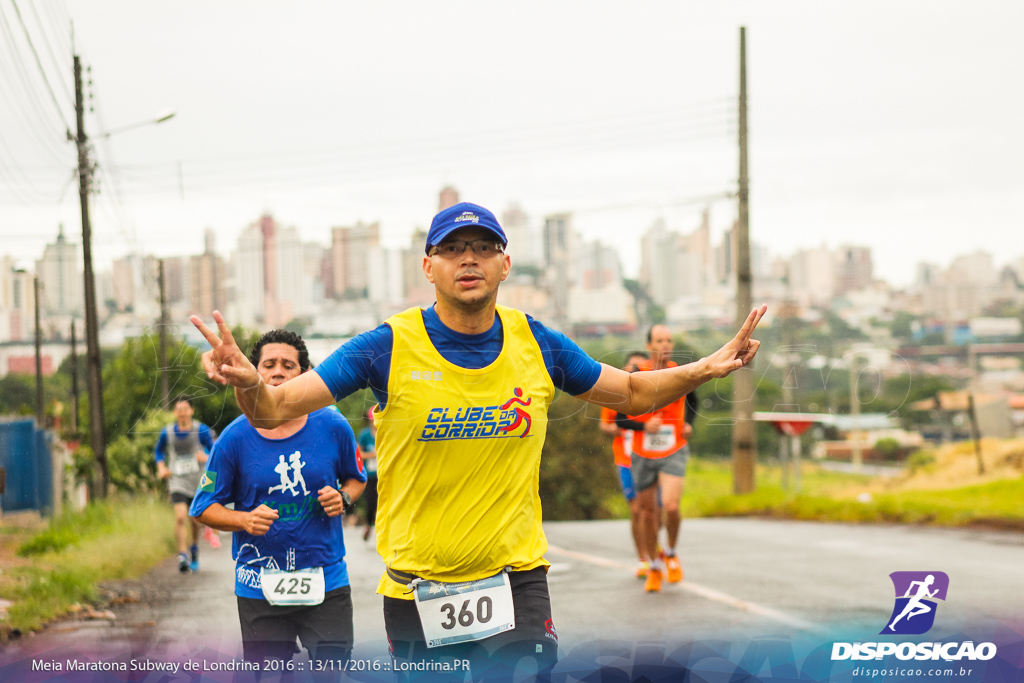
{"type": "Point", "coordinates": [181, 453]}
{"type": "Point", "coordinates": [289, 486]}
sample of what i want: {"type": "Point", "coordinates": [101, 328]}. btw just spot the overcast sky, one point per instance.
{"type": "Point", "coordinates": [889, 124]}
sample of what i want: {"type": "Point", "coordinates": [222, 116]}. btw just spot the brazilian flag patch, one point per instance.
{"type": "Point", "coordinates": [208, 481]}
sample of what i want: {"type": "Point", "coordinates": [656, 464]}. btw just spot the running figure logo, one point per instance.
{"type": "Point", "coordinates": [284, 468]}
{"type": "Point", "coordinates": [913, 590]}
{"type": "Point", "coordinates": [521, 415]}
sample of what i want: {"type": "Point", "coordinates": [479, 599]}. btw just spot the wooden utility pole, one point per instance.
{"type": "Point", "coordinates": [164, 390]}
{"type": "Point", "coordinates": [40, 410]}
{"type": "Point", "coordinates": [972, 413]}
{"type": "Point", "coordinates": [74, 381]}
{"type": "Point", "coordinates": [744, 442]}
{"type": "Point", "coordinates": [856, 446]}
{"type": "Point", "coordinates": [94, 370]}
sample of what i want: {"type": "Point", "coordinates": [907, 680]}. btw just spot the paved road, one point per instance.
{"type": "Point", "coordinates": [744, 578]}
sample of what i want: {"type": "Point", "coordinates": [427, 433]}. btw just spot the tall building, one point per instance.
{"type": "Point", "coordinates": [674, 266]}
{"type": "Point", "coordinates": [449, 197]}
{"type": "Point", "coordinates": [208, 280]}
{"type": "Point", "coordinates": [417, 291]}
{"type": "Point", "coordinates": [525, 246]}
{"type": "Point", "coordinates": [249, 278]}
{"type": "Point", "coordinates": [812, 276]}
{"type": "Point", "coordinates": [559, 241]}
{"type": "Point", "coordinates": [976, 268]}
{"type": "Point", "coordinates": [597, 266]}
{"type": "Point", "coordinates": [854, 269]}
{"type": "Point", "coordinates": [17, 303]}
{"type": "Point", "coordinates": [60, 282]}
{"type": "Point", "coordinates": [350, 252]}
{"type": "Point", "coordinates": [135, 287]}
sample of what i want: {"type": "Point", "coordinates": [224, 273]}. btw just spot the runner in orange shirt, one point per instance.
{"type": "Point", "coordinates": [621, 449]}
{"type": "Point", "coordinates": [660, 454]}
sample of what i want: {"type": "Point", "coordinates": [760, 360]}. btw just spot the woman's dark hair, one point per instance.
{"type": "Point", "coordinates": [281, 337]}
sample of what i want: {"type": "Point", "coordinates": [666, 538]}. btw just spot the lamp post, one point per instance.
{"type": "Point", "coordinates": [94, 374]}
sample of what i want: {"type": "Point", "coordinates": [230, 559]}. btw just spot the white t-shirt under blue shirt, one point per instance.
{"type": "Point", "coordinates": [249, 469]}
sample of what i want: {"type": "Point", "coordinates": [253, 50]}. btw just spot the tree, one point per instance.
{"type": "Point", "coordinates": [577, 474]}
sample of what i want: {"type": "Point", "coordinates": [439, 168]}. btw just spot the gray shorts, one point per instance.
{"type": "Point", "coordinates": [645, 470]}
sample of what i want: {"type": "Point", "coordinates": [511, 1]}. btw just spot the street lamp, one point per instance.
{"type": "Point", "coordinates": [159, 119]}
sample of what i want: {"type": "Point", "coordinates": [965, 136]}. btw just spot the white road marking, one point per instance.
{"type": "Point", "coordinates": [702, 591]}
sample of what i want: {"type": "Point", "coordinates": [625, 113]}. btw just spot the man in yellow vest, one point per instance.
{"type": "Point", "coordinates": [463, 389]}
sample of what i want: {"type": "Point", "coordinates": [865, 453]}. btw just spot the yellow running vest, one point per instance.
{"type": "Point", "coordinates": [458, 458]}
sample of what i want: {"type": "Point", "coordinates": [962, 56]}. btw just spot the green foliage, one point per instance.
{"type": "Point", "coordinates": [122, 538]}
{"type": "Point", "coordinates": [577, 474]}
{"type": "Point", "coordinates": [17, 394]}
{"type": "Point", "coordinates": [47, 541]}
{"type": "Point", "coordinates": [919, 460]}
{"type": "Point", "coordinates": [825, 497]}
{"type": "Point", "coordinates": [902, 325]}
{"type": "Point", "coordinates": [69, 528]}
{"type": "Point", "coordinates": [887, 448]}
{"type": "Point", "coordinates": [131, 457]}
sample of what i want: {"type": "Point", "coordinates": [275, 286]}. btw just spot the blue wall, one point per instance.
{"type": "Point", "coordinates": [25, 454]}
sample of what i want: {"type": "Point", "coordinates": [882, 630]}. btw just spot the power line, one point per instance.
{"type": "Point", "coordinates": [21, 76]}
{"type": "Point", "coordinates": [42, 71]}
{"type": "Point", "coordinates": [58, 64]}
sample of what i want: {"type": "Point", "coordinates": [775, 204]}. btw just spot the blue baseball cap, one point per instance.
{"type": "Point", "coordinates": [462, 215]}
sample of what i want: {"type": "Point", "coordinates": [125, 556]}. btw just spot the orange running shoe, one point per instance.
{"type": "Point", "coordinates": [642, 569]}
{"type": "Point", "coordinates": [653, 582]}
{"type": "Point", "coordinates": [674, 569]}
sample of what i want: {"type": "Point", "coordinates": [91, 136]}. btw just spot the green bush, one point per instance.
{"type": "Point", "coordinates": [131, 458]}
{"type": "Point", "coordinates": [919, 460]}
{"type": "Point", "coordinates": [887, 448]}
{"type": "Point", "coordinates": [49, 540]}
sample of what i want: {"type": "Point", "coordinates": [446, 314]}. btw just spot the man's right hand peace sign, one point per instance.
{"type": "Point", "coordinates": [225, 362]}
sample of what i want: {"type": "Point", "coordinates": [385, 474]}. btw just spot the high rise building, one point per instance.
{"type": "Point", "coordinates": [208, 280]}
{"type": "Point", "coordinates": [249, 277]}
{"type": "Point", "coordinates": [350, 251]}
{"type": "Point", "coordinates": [559, 241]}
{"type": "Point", "coordinates": [60, 282]}
{"type": "Point", "coordinates": [812, 276]}
{"type": "Point", "coordinates": [449, 197]}
{"type": "Point", "coordinates": [525, 246]}
{"type": "Point", "coordinates": [17, 303]}
{"type": "Point", "coordinates": [854, 269]}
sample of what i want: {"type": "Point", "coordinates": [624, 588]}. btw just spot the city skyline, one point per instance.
{"type": "Point", "coordinates": [899, 134]}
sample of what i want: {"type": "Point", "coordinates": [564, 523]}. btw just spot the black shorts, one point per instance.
{"type": "Point", "coordinates": [181, 498]}
{"type": "Point", "coordinates": [269, 631]}
{"type": "Point", "coordinates": [531, 646]}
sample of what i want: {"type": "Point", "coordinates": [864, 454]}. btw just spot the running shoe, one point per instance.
{"type": "Point", "coordinates": [653, 582]}
{"type": "Point", "coordinates": [183, 563]}
{"type": "Point", "coordinates": [642, 569]}
{"type": "Point", "coordinates": [212, 538]}
{"type": "Point", "coordinates": [674, 569]}
{"type": "Point", "coordinates": [194, 565]}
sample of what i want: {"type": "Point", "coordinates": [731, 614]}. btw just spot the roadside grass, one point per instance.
{"type": "Point", "coordinates": [63, 565]}
{"type": "Point", "coordinates": [839, 497]}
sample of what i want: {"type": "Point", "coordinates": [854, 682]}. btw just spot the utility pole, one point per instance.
{"type": "Point", "coordinates": [74, 381]}
{"type": "Point", "coordinates": [744, 443]}
{"type": "Point", "coordinates": [94, 374]}
{"type": "Point", "coordinates": [40, 411]}
{"type": "Point", "coordinates": [857, 452]}
{"type": "Point", "coordinates": [163, 336]}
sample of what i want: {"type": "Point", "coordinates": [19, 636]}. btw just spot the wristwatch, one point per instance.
{"type": "Point", "coordinates": [347, 503]}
